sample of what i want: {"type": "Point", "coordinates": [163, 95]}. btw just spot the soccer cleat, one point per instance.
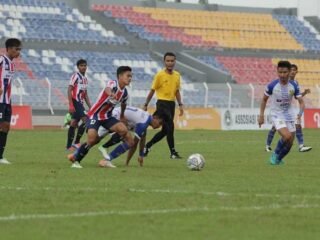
{"type": "Point", "coordinates": [104, 152]}
{"type": "Point", "coordinates": [146, 151]}
{"type": "Point", "coordinates": [304, 148]}
{"type": "Point", "coordinates": [274, 159]}
{"type": "Point", "coordinates": [4, 161]}
{"type": "Point", "coordinates": [175, 155]}
{"type": "Point", "coordinates": [268, 149]}
{"type": "Point", "coordinates": [106, 164]}
{"type": "Point", "coordinates": [76, 165]}
{"type": "Point", "coordinates": [71, 157]}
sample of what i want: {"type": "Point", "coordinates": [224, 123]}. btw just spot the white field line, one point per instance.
{"type": "Point", "coordinates": [163, 191]}
{"type": "Point", "coordinates": [17, 217]}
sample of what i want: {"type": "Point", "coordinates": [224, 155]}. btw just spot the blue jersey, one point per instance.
{"type": "Point", "coordinates": [281, 99]}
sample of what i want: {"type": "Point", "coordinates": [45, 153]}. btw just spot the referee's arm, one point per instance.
{"type": "Point", "coordinates": [178, 97]}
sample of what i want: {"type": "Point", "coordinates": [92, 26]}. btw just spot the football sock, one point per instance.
{"type": "Point", "coordinates": [115, 138]}
{"type": "Point", "coordinates": [71, 131]}
{"type": "Point", "coordinates": [270, 136]}
{"type": "Point", "coordinates": [120, 149]}
{"type": "Point", "coordinates": [285, 150]}
{"type": "Point", "coordinates": [3, 142]}
{"type": "Point", "coordinates": [82, 152]}
{"type": "Point", "coordinates": [80, 132]}
{"type": "Point", "coordinates": [299, 136]}
{"type": "Point", "coordinates": [279, 146]}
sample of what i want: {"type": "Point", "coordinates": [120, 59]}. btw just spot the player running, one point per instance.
{"type": "Point", "coordinates": [100, 114]}
{"type": "Point", "coordinates": [281, 91]}
{"type": "Point", "coordinates": [138, 121]}
{"type": "Point", "coordinates": [7, 69]}
{"type": "Point", "coordinates": [77, 94]}
{"type": "Point", "coordinates": [299, 134]}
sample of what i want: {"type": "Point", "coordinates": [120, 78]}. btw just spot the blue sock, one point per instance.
{"type": "Point", "coordinates": [270, 136]}
{"type": "Point", "coordinates": [279, 146]}
{"type": "Point", "coordinates": [285, 150]}
{"type": "Point", "coordinates": [82, 152]}
{"type": "Point", "coordinates": [299, 135]}
{"type": "Point", "coordinates": [120, 149]}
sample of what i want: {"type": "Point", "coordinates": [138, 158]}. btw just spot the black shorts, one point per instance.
{"type": "Point", "coordinates": [80, 110]}
{"type": "Point", "coordinates": [167, 108]}
{"type": "Point", "coordinates": [107, 124]}
{"type": "Point", "coordinates": [5, 112]}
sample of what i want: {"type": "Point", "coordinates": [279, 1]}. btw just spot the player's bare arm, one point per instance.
{"type": "Point", "coordinates": [132, 150]}
{"type": "Point", "coordinates": [178, 97]}
{"type": "Point", "coordinates": [305, 92]}
{"type": "Point", "coordinates": [149, 97]}
{"type": "Point", "coordinates": [262, 109]}
{"type": "Point", "coordinates": [71, 107]}
{"type": "Point", "coordinates": [301, 108]}
{"type": "Point", "coordinates": [86, 98]}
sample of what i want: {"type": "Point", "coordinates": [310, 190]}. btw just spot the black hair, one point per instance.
{"type": "Point", "coordinates": [294, 66]}
{"type": "Point", "coordinates": [123, 69]}
{"type": "Point", "coordinates": [284, 64]}
{"type": "Point", "coordinates": [81, 61]}
{"type": "Point", "coordinates": [13, 42]}
{"type": "Point", "coordinates": [159, 114]}
{"type": "Point", "coordinates": [171, 54]}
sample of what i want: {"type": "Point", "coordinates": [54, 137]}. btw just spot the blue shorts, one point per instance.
{"type": "Point", "coordinates": [107, 124]}
{"type": "Point", "coordinates": [5, 112]}
{"type": "Point", "coordinates": [80, 111]}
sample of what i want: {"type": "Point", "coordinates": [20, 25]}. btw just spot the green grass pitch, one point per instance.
{"type": "Point", "coordinates": [238, 195]}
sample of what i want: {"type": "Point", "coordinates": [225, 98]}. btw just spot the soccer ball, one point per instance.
{"type": "Point", "coordinates": [195, 162]}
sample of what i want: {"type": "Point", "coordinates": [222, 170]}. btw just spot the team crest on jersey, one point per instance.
{"type": "Point", "coordinates": [291, 92]}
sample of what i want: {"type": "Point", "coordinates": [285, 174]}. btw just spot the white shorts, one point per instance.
{"type": "Point", "coordinates": [280, 123]}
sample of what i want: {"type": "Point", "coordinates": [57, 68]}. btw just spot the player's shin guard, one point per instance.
{"type": "Point", "coordinates": [299, 136]}
{"type": "Point", "coordinates": [285, 150]}
{"type": "Point", "coordinates": [82, 152]}
{"type": "Point", "coordinates": [3, 142]}
{"type": "Point", "coordinates": [122, 148]}
{"type": "Point", "coordinates": [116, 138]}
{"type": "Point", "coordinates": [80, 132]}
{"type": "Point", "coordinates": [270, 136]}
{"type": "Point", "coordinates": [71, 131]}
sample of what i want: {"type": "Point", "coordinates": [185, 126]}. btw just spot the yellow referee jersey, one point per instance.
{"type": "Point", "coordinates": [166, 85]}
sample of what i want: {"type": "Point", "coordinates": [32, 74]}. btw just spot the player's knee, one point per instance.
{"type": "Point", "coordinates": [129, 140]}
{"type": "Point", "coordinates": [287, 137]}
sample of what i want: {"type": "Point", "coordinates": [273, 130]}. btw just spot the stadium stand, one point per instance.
{"type": "Point", "coordinates": [50, 22]}
{"type": "Point", "coordinates": [35, 20]}
{"type": "Point", "coordinates": [210, 29]}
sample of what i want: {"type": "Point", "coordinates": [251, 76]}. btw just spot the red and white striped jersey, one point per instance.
{"type": "Point", "coordinates": [80, 85]}
{"type": "Point", "coordinates": [6, 76]}
{"type": "Point", "coordinates": [102, 109]}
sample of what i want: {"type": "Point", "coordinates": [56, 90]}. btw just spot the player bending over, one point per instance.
{"type": "Point", "coordinates": [299, 134]}
{"type": "Point", "coordinates": [281, 91]}
{"type": "Point", "coordinates": [138, 121]}
{"type": "Point", "coordinates": [100, 114]}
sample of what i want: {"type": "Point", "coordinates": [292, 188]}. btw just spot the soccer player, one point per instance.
{"type": "Point", "coordinates": [100, 114]}
{"type": "Point", "coordinates": [166, 85]}
{"type": "Point", "coordinates": [13, 49]}
{"type": "Point", "coordinates": [299, 134]}
{"type": "Point", "coordinates": [138, 121]}
{"type": "Point", "coordinates": [281, 91]}
{"type": "Point", "coordinates": [77, 94]}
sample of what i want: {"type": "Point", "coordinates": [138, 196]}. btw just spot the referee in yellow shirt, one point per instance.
{"type": "Point", "coordinates": [166, 85]}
